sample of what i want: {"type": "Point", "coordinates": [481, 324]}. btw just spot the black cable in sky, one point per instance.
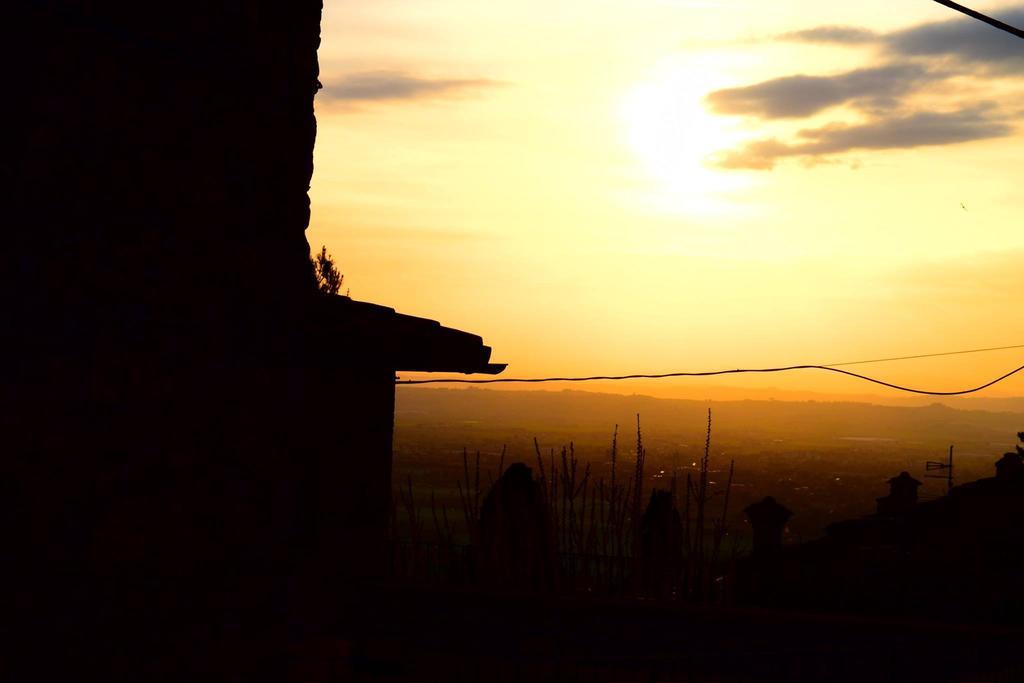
{"type": "Point", "coordinates": [981, 17]}
{"type": "Point", "coordinates": [711, 373]}
{"type": "Point", "coordinates": [925, 355]}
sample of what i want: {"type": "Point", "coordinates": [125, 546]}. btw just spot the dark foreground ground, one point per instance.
{"type": "Point", "coordinates": [435, 635]}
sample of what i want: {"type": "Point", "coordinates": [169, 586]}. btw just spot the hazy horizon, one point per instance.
{"type": "Point", "coordinates": [662, 390]}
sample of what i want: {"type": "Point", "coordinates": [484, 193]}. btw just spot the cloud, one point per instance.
{"type": "Point", "coordinates": [967, 40]}
{"type": "Point", "coordinates": [759, 155]}
{"type": "Point", "coordinates": [964, 39]}
{"type": "Point", "coordinates": [844, 35]}
{"type": "Point", "coordinates": [918, 59]}
{"type": "Point", "coordinates": [384, 86]}
{"type": "Point", "coordinates": [800, 96]}
{"type": "Point", "coordinates": [894, 132]}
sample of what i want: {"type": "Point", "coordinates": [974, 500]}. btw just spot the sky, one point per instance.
{"type": "Point", "coordinates": [601, 187]}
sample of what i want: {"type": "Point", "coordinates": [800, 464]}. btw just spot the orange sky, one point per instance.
{"type": "Point", "coordinates": [611, 187]}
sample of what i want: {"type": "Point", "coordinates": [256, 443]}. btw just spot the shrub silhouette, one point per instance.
{"type": "Point", "coordinates": [326, 276]}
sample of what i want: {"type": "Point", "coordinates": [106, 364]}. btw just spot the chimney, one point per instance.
{"type": "Point", "coordinates": [768, 519]}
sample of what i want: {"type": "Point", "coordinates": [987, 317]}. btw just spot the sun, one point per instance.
{"type": "Point", "coordinates": [671, 132]}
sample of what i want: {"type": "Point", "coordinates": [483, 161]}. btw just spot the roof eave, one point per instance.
{"type": "Point", "coordinates": [405, 342]}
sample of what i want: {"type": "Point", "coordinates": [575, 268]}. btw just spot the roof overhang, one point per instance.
{"type": "Point", "coordinates": [401, 342]}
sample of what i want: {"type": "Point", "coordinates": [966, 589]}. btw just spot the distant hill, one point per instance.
{"type": "Point", "coordinates": [580, 413]}
{"type": "Point", "coordinates": [706, 391]}
{"type": "Point", "coordinates": [1010, 405]}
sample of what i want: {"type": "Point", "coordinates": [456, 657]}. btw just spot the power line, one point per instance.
{"type": "Point", "coordinates": [537, 380]}
{"type": "Point", "coordinates": [710, 373]}
{"type": "Point", "coordinates": [982, 17]}
{"type": "Point", "coordinates": [925, 355]}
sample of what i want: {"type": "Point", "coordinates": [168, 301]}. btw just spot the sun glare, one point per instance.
{"type": "Point", "coordinates": [672, 133]}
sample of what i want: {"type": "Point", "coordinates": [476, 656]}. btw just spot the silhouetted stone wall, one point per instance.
{"type": "Point", "coordinates": [161, 467]}
{"type": "Point", "coordinates": [163, 158]}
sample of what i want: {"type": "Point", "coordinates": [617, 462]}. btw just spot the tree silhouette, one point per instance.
{"type": "Point", "coordinates": [325, 273]}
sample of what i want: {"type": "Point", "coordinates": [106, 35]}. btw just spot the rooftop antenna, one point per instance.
{"type": "Point", "coordinates": [932, 465]}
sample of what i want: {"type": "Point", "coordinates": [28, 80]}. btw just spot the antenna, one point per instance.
{"type": "Point", "coordinates": [932, 465]}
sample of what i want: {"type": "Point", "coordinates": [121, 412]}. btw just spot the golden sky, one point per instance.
{"type": "Point", "coordinates": [603, 186]}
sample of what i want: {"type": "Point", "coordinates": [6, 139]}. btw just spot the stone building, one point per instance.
{"type": "Point", "coordinates": [197, 470]}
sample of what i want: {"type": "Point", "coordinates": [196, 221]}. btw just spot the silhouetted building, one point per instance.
{"type": "Point", "coordinates": [902, 495]}
{"type": "Point", "coordinates": [956, 557]}
{"type": "Point", "coordinates": [1010, 466]}
{"type": "Point", "coordinates": [198, 465]}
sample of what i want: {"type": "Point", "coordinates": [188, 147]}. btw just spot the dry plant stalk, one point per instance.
{"type": "Point", "coordinates": [594, 522]}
